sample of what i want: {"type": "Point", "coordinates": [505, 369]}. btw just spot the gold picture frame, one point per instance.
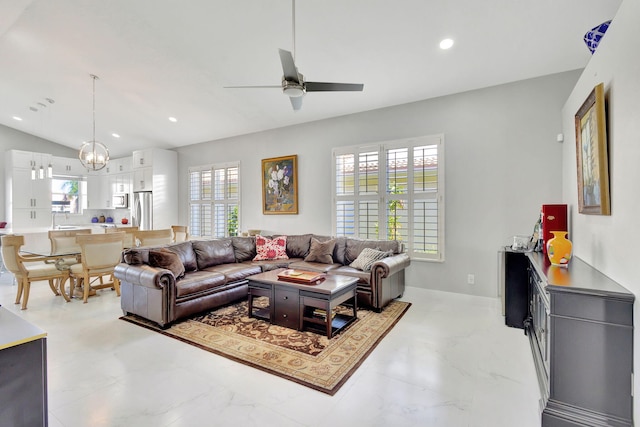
{"type": "Point", "coordinates": [280, 185]}
{"type": "Point", "coordinates": [591, 155]}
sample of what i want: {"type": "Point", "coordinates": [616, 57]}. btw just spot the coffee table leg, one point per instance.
{"type": "Point", "coordinates": [250, 304]}
{"type": "Point", "coordinates": [329, 318]}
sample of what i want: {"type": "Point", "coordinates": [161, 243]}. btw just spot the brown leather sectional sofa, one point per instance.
{"type": "Point", "coordinates": [216, 274]}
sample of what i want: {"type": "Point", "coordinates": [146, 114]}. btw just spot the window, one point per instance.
{"type": "Point", "coordinates": [394, 190]}
{"type": "Point", "coordinates": [68, 194]}
{"type": "Point", "coordinates": [214, 200]}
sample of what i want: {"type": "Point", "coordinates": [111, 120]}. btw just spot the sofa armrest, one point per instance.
{"type": "Point", "coordinates": [144, 275]}
{"type": "Point", "coordinates": [389, 266]}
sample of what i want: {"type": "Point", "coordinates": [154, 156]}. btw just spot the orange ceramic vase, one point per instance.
{"type": "Point", "coordinates": [559, 248]}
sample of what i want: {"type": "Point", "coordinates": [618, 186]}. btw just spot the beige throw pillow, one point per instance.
{"type": "Point", "coordinates": [321, 251]}
{"type": "Point", "coordinates": [367, 257]}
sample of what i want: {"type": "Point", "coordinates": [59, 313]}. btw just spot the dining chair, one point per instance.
{"type": "Point", "coordinates": [64, 242]}
{"type": "Point", "coordinates": [29, 269]}
{"type": "Point", "coordinates": [129, 238]}
{"type": "Point", "coordinates": [100, 254]}
{"type": "Point", "coordinates": [154, 237]}
{"type": "Point", "coordinates": [180, 233]}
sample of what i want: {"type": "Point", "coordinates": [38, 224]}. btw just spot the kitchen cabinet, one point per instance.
{"type": "Point", "coordinates": [67, 166]}
{"type": "Point", "coordinates": [28, 201]}
{"type": "Point", "coordinates": [98, 191]}
{"type": "Point", "coordinates": [143, 158]}
{"type": "Point", "coordinates": [143, 179]}
{"type": "Point", "coordinates": [156, 170]}
{"type": "Point", "coordinates": [115, 178]}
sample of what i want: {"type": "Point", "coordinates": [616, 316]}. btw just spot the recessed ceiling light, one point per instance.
{"type": "Point", "coordinates": [115, 135]}
{"type": "Point", "coordinates": [446, 44]}
{"type": "Point", "coordinates": [17, 118]}
{"type": "Point", "coordinates": [173, 119]}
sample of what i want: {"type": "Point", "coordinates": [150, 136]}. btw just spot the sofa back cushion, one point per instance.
{"type": "Point", "coordinates": [244, 248]}
{"type": "Point", "coordinates": [213, 252]}
{"type": "Point", "coordinates": [298, 245]}
{"type": "Point", "coordinates": [186, 254]}
{"type": "Point", "coordinates": [355, 246]}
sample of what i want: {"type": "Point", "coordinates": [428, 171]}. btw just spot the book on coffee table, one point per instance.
{"type": "Point", "coordinates": [299, 276]}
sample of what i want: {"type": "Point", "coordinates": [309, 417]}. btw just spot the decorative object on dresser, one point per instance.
{"type": "Point", "coordinates": [591, 155]}
{"type": "Point", "coordinates": [553, 218]}
{"type": "Point", "coordinates": [307, 358]}
{"type": "Point", "coordinates": [580, 328]}
{"type": "Point", "coordinates": [280, 185]}
{"type": "Point", "coordinates": [559, 249]}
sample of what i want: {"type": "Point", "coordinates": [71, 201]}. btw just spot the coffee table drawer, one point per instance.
{"type": "Point", "coordinates": [286, 308]}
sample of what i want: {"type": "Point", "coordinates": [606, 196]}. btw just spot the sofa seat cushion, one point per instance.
{"type": "Point", "coordinates": [345, 270]}
{"type": "Point", "coordinates": [198, 281]}
{"type": "Point", "coordinates": [235, 272]}
{"type": "Point", "coordinates": [313, 266]}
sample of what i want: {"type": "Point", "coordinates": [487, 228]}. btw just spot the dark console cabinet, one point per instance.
{"type": "Point", "coordinates": [516, 296]}
{"type": "Point", "coordinates": [580, 324]}
{"type": "Point", "coordinates": [23, 373]}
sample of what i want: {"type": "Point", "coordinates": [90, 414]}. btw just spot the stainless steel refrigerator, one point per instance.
{"type": "Point", "coordinates": [143, 210]}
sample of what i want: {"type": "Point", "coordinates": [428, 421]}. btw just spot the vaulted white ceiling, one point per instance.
{"type": "Point", "coordinates": [162, 58]}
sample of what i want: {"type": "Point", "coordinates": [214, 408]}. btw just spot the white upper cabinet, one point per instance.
{"type": "Point", "coordinates": [28, 201]}
{"type": "Point", "coordinates": [67, 166]}
{"type": "Point", "coordinates": [143, 158]}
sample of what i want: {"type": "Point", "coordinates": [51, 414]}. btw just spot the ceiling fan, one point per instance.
{"type": "Point", "coordinates": [293, 83]}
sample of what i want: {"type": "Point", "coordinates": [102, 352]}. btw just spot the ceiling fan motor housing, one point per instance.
{"type": "Point", "coordinates": [293, 89]}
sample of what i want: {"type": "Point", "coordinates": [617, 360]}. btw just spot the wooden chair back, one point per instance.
{"type": "Point", "coordinates": [154, 237]}
{"type": "Point", "coordinates": [129, 238]}
{"type": "Point", "coordinates": [180, 233]}
{"type": "Point", "coordinates": [101, 251]}
{"type": "Point", "coordinates": [64, 241]}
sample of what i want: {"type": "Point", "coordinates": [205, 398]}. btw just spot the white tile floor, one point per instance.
{"type": "Point", "coordinates": [449, 362]}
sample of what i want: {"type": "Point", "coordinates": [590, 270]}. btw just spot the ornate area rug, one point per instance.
{"type": "Point", "coordinates": [305, 357]}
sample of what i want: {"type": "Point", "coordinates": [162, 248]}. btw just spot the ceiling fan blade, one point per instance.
{"type": "Point", "coordinates": [331, 87]}
{"type": "Point", "coordinates": [254, 87]}
{"type": "Point", "coordinates": [288, 66]}
{"type": "Point", "coordinates": [296, 102]}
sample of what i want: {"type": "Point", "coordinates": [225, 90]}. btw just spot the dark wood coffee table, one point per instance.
{"type": "Point", "coordinates": [293, 305]}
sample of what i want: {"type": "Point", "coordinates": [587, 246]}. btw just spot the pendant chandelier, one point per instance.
{"type": "Point", "coordinates": [94, 155]}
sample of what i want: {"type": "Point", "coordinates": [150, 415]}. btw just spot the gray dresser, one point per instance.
{"type": "Point", "coordinates": [23, 372]}
{"type": "Point", "coordinates": [580, 325]}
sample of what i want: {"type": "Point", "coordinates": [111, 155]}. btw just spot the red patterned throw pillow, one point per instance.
{"type": "Point", "coordinates": [267, 249]}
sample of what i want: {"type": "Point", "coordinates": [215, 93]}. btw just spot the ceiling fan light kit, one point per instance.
{"type": "Point", "coordinates": [293, 84]}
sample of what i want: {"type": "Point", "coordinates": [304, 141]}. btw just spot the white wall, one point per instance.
{"type": "Point", "coordinates": [610, 243]}
{"type": "Point", "coordinates": [502, 163]}
{"type": "Point", "coordinates": [11, 139]}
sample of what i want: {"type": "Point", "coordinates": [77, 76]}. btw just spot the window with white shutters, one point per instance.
{"type": "Point", "coordinates": [394, 190]}
{"type": "Point", "coordinates": [214, 203]}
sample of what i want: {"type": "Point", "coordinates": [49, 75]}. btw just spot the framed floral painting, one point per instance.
{"type": "Point", "coordinates": [591, 155]}
{"type": "Point", "coordinates": [280, 185]}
